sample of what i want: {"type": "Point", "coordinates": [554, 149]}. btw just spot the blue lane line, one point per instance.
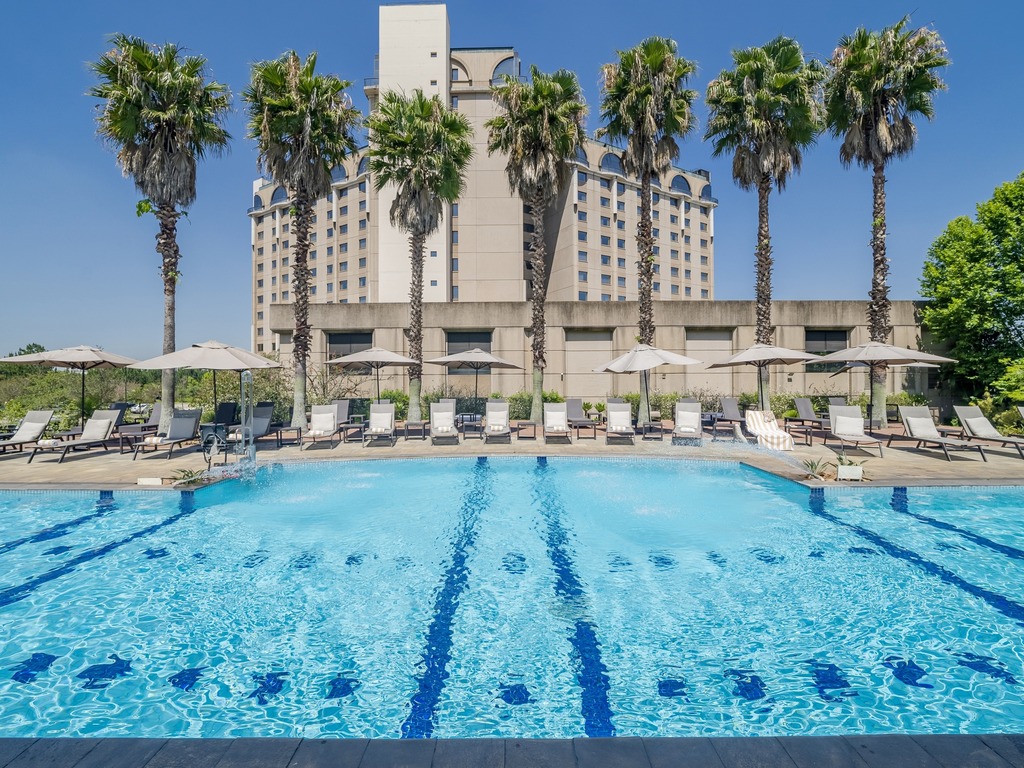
{"type": "Point", "coordinates": [419, 724]}
{"type": "Point", "coordinates": [901, 503]}
{"type": "Point", "coordinates": [591, 673]}
{"type": "Point", "coordinates": [13, 594]}
{"type": "Point", "coordinates": [104, 507]}
{"type": "Point", "coordinates": [1004, 605]}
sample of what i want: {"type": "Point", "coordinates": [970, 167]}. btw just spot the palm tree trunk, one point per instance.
{"type": "Point", "coordinates": [300, 289]}
{"type": "Point", "coordinates": [167, 247]}
{"type": "Point", "coordinates": [538, 324]}
{"type": "Point", "coordinates": [645, 272]}
{"type": "Point", "coordinates": [415, 332]}
{"type": "Point", "coordinates": [879, 326]}
{"type": "Point", "coordinates": [763, 287]}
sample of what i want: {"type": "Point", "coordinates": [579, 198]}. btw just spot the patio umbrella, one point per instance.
{"type": "Point", "coordinates": [80, 358]}
{"type": "Point", "coordinates": [210, 355]}
{"type": "Point", "coordinates": [475, 359]}
{"type": "Point", "coordinates": [761, 356]}
{"type": "Point", "coordinates": [375, 358]}
{"type": "Point", "coordinates": [877, 355]}
{"type": "Point", "coordinates": [643, 358]}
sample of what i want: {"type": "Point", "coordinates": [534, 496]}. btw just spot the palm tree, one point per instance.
{"type": "Point", "coordinates": [161, 116]}
{"type": "Point", "coordinates": [541, 132]}
{"type": "Point", "coordinates": [423, 147]}
{"type": "Point", "coordinates": [766, 111]}
{"type": "Point", "coordinates": [646, 104]}
{"type": "Point", "coordinates": [303, 125]}
{"type": "Point", "coordinates": [879, 82]}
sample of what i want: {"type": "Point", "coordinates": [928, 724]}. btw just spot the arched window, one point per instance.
{"type": "Point", "coordinates": [280, 195]}
{"type": "Point", "coordinates": [363, 166]}
{"type": "Point", "coordinates": [612, 162]}
{"type": "Point", "coordinates": [257, 202]}
{"type": "Point", "coordinates": [338, 173]}
{"type": "Point", "coordinates": [705, 194]}
{"type": "Point", "coordinates": [581, 156]}
{"type": "Point", "coordinates": [505, 67]}
{"type": "Point", "coordinates": [680, 184]}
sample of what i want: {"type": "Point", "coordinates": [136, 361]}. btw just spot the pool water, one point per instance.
{"type": "Point", "coordinates": [511, 598]}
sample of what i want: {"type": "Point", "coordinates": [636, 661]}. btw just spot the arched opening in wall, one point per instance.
{"type": "Point", "coordinates": [363, 166]}
{"type": "Point", "coordinates": [705, 194]}
{"type": "Point", "coordinates": [280, 196]}
{"type": "Point", "coordinates": [257, 202]}
{"type": "Point", "coordinates": [612, 162]}
{"type": "Point", "coordinates": [338, 173]}
{"type": "Point", "coordinates": [581, 157]}
{"type": "Point", "coordinates": [680, 184]}
{"type": "Point", "coordinates": [506, 66]}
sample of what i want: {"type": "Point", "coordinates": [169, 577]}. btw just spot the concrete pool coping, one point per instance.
{"type": "Point", "coordinates": [882, 751]}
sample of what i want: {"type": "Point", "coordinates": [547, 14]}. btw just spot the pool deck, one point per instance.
{"type": "Point", "coordinates": [784, 752]}
{"type": "Point", "coordinates": [902, 466]}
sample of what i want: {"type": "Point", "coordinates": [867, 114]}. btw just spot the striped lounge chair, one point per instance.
{"type": "Point", "coordinates": [765, 428]}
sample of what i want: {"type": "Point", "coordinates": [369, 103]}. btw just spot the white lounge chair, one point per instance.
{"type": "Point", "coordinates": [323, 424]}
{"type": "Point", "coordinates": [556, 422]}
{"type": "Point", "coordinates": [620, 422]}
{"type": "Point", "coordinates": [30, 430]}
{"type": "Point", "coordinates": [765, 428]}
{"type": "Point", "coordinates": [496, 426]}
{"type": "Point", "coordinates": [977, 427]}
{"type": "Point", "coordinates": [382, 425]}
{"type": "Point", "coordinates": [182, 429]}
{"type": "Point", "coordinates": [847, 426]}
{"type": "Point", "coordinates": [687, 422]}
{"type": "Point", "coordinates": [95, 433]}
{"type": "Point", "coordinates": [442, 424]}
{"type": "Point", "coordinates": [919, 426]}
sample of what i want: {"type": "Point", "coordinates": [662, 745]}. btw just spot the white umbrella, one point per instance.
{"type": "Point", "coordinates": [763, 355]}
{"type": "Point", "coordinates": [81, 358]}
{"type": "Point", "coordinates": [209, 355]}
{"type": "Point", "coordinates": [374, 357]}
{"type": "Point", "coordinates": [877, 355]}
{"type": "Point", "coordinates": [476, 359]}
{"type": "Point", "coordinates": [643, 358]}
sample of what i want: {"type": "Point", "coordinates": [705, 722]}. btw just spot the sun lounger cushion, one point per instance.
{"type": "Point", "coordinates": [687, 421]}
{"type": "Point", "coordinates": [322, 424]}
{"type": "Point", "coordinates": [442, 421]}
{"type": "Point", "coordinates": [380, 424]}
{"type": "Point", "coordinates": [982, 427]}
{"type": "Point", "coordinates": [921, 427]}
{"type": "Point", "coordinates": [619, 421]}
{"type": "Point", "coordinates": [556, 421]}
{"type": "Point", "coordinates": [847, 425]}
{"type": "Point", "coordinates": [96, 429]}
{"type": "Point", "coordinates": [152, 440]}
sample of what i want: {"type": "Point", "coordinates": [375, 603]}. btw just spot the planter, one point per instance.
{"type": "Point", "coordinates": [849, 472]}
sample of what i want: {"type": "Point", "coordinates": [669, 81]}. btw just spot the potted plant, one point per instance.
{"type": "Point", "coordinates": [847, 469]}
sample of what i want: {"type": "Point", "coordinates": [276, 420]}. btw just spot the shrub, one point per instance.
{"type": "Point", "coordinates": [400, 400]}
{"type": "Point", "coordinates": [520, 403]}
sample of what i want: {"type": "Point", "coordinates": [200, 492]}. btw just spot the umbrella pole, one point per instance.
{"type": "Point", "coordinates": [476, 385]}
{"type": "Point", "coordinates": [215, 394]}
{"type": "Point", "coordinates": [83, 398]}
{"type": "Point", "coordinates": [378, 384]}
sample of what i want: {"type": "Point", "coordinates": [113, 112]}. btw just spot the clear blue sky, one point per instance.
{"type": "Point", "coordinates": [78, 267]}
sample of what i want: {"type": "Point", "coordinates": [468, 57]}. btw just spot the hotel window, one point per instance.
{"type": "Point", "coordinates": [330, 269]}
{"type": "Point", "coordinates": [343, 285]}
{"type": "Point", "coordinates": [703, 243]}
{"type": "Point", "coordinates": [656, 232]}
{"type": "Point", "coordinates": [606, 221]}
{"type": "Point", "coordinates": [312, 290]}
{"type": "Point", "coordinates": [581, 177]}
{"type": "Point", "coordinates": [455, 297]}
{"type": "Point", "coordinates": [455, 74]}
{"type": "Point", "coordinates": [673, 219]}
{"type": "Point", "coordinates": [620, 224]}
{"type": "Point", "coordinates": [284, 262]}
{"type": "Point", "coordinates": [362, 205]}
{"type": "Point", "coordinates": [673, 253]}
{"type": "Point", "coordinates": [583, 296]}
{"type": "Point", "coordinates": [606, 297]}
{"type": "Point", "coordinates": [655, 198]}
{"type": "Point", "coordinates": [620, 263]}
{"type": "Point", "coordinates": [259, 331]}
{"type": "Point", "coordinates": [686, 291]}
{"type": "Point", "coordinates": [638, 210]}
{"type": "Point", "coordinates": [704, 210]}
{"type": "Point", "coordinates": [362, 262]}
{"type": "Point", "coordinates": [455, 210]}
{"type": "Point", "coordinates": [605, 240]}
{"type": "Point", "coordinates": [455, 237]}
{"type": "Point", "coordinates": [455, 265]}
{"type": "Point", "coordinates": [433, 254]}
{"type": "Point", "coordinates": [673, 236]}
{"type": "Point", "coordinates": [259, 299]}
{"type": "Point", "coordinates": [312, 255]}
{"type": "Point", "coordinates": [657, 287]}
{"type": "Point", "coordinates": [362, 224]}
{"type": "Point", "coordinates": [330, 287]}
{"type": "Point", "coordinates": [822, 342]}
{"type": "Point", "coordinates": [703, 277]}
{"type": "Point", "coordinates": [284, 229]}
{"type": "Point", "coordinates": [581, 196]}
{"type": "Point", "coordinates": [703, 259]}
{"type": "Point", "coordinates": [655, 214]}
{"type": "Point", "coordinates": [284, 296]}
{"type": "Point", "coordinates": [339, 344]}
{"type": "Point", "coordinates": [657, 250]}
{"type": "Point", "coordinates": [362, 282]}
{"type": "Point", "coordinates": [606, 279]}
{"type": "Point", "coordinates": [657, 269]}
{"type": "Point", "coordinates": [703, 226]}
{"type": "Point", "coordinates": [343, 248]}
{"type": "Point", "coordinates": [605, 202]}
{"type": "Point", "coordinates": [581, 256]}
{"type": "Point", "coordinates": [606, 184]}
{"type": "Point", "coordinates": [273, 263]}
{"type": "Point", "coordinates": [686, 239]}
{"type": "Point", "coordinates": [433, 283]}
{"type": "Point", "coordinates": [259, 315]}
{"type": "Point", "coordinates": [259, 267]}
{"type": "Point", "coordinates": [687, 256]}
{"type": "Point", "coordinates": [312, 272]}
{"type": "Point", "coordinates": [621, 282]}
{"type": "Point", "coordinates": [330, 250]}
{"type": "Point", "coordinates": [284, 279]}
{"type": "Point", "coordinates": [330, 232]}
{"type": "Point", "coordinates": [343, 211]}
{"type": "Point", "coordinates": [273, 231]}
{"type": "Point", "coordinates": [343, 266]}
{"type": "Point", "coordinates": [686, 207]}
{"type": "Point", "coordinates": [581, 236]}
{"type": "Point", "coordinates": [362, 186]}
{"type": "Point", "coordinates": [703, 293]}
{"type": "Point", "coordinates": [259, 347]}
{"type": "Point", "coordinates": [259, 283]}
{"type": "Point", "coordinates": [673, 202]}
{"type": "Point", "coordinates": [273, 280]}
{"type": "Point", "coordinates": [620, 206]}
{"type": "Point", "coordinates": [686, 223]}
{"type": "Point", "coordinates": [686, 274]}
{"type": "Point", "coordinates": [582, 277]}
{"type": "Point", "coordinates": [344, 192]}
{"type": "Point", "coordinates": [606, 261]}
{"type": "Point", "coordinates": [675, 290]}
{"type": "Point", "coordinates": [463, 341]}
{"type": "Point", "coordinates": [674, 272]}
{"type": "Point", "coordinates": [362, 243]}
{"type": "Point", "coordinates": [330, 215]}
{"type": "Point", "coordinates": [259, 251]}
{"type": "Point", "coordinates": [455, 102]}
{"type": "Point", "coordinates": [620, 243]}
{"type": "Point", "coordinates": [581, 215]}
{"type": "Point", "coordinates": [620, 188]}
{"type": "Point", "coordinates": [273, 248]}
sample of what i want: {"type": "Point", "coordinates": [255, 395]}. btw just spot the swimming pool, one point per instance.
{"type": "Point", "coordinates": [511, 597]}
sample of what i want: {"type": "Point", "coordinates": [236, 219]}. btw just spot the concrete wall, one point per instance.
{"type": "Point", "coordinates": [708, 331]}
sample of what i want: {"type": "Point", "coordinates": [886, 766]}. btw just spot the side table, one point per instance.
{"type": "Point", "coordinates": [533, 430]}
{"type": "Point", "coordinates": [417, 426]}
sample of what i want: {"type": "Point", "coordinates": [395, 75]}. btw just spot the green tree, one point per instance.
{"type": "Point", "coordinates": [162, 116]}
{"type": "Point", "coordinates": [646, 104]}
{"type": "Point", "coordinates": [881, 81]}
{"type": "Point", "coordinates": [423, 147]}
{"type": "Point", "coordinates": [541, 131]}
{"type": "Point", "coordinates": [974, 278]}
{"type": "Point", "coordinates": [303, 125]}
{"type": "Point", "coordinates": [766, 112]}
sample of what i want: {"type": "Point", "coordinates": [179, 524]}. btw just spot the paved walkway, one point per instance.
{"type": "Point", "coordinates": [786, 752]}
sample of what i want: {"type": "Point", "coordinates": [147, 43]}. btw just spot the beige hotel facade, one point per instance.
{"type": "Point", "coordinates": [477, 274]}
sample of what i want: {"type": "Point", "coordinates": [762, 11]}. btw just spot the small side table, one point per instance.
{"type": "Point", "coordinates": [579, 426]}
{"type": "Point", "coordinates": [651, 430]}
{"type": "Point", "coordinates": [726, 428]}
{"type": "Point", "coordinates": [533, 430]}
{"type": "Point", "coordinates": [280, 433]}
{"type": "Point", "coordinates": [805, 431]}
{"type": "Point", "coordinates": [472, 430]}
{"type": "Point", "coordinates": [417, 426]}
{"type": "Point", "coordinates": [957, 432]}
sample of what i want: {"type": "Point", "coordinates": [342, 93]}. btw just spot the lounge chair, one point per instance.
{"type": "Point", "coordinates": [919, 426]}
{"type": "Point", "coordinates": [805, 413]}
{"type": "Point", "coordinates": [152, 424]}
{"type": "Point", "coordinates": [382, 425]}
{"type": "Point", "coordinates": [497, 427]}
{"type": "Point", "coordinates": [620, 422]}
{"type": "Point", "coordinates": [687, 422]}
{"type": "Point", "coordinates": [323, 424]}
{"type": "Point", "coordinates": [29, 431]}
{"type": "Point", "coordinates": [578, 420]}
{"type": "Point", "coordinates": [556, 422]}
{"type": "Point", "coordinates": [182, 429]}
{"type": "Point", "coordinates": [977, 427]}
{"type": "Point", "coordinates": [837, 401]}
{"type": "Point", "coordinates": [95, 433]}
{"type": "Point", "coordinates": [846, 424]}
{"type": "Point", "coordinates": [226, 413]}
{"type": "Point", "coordinates": [442, 424]}
{"type": "Point", "coordinates": [765, 428]}
{"type": "Point", "coordinates": [731, 411]}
